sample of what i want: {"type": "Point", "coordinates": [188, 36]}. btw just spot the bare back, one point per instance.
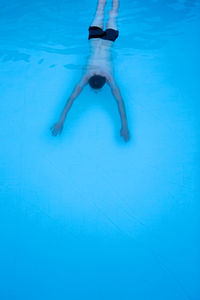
{"type": "Point", "coordinates": [100, 58]}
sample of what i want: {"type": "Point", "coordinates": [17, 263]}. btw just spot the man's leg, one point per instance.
{"type": "Point", "coordinates": [99, 15]}
{"type": "Point", "coordinates": [113, 13]}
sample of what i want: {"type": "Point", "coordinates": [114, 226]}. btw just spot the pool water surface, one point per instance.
{"type": "Point", "coordinates": [85, 215]}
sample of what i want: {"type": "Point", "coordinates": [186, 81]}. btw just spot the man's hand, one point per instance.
{"type": "Point", "coordinates": [125, 134]}
{"type": "Point", "coordinates": [57, 128]}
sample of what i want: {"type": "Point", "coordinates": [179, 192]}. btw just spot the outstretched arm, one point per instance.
{"type": "Point", "coordinates": [57, 128]}
{"type": "Point", "coordinates": [121, 107]}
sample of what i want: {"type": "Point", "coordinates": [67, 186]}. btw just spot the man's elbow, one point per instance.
{"type": "Point", "coordinates": [116, 94]}
{"type": "Point", "coordinates": [78, 88]}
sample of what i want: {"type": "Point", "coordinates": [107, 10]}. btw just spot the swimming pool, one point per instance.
{"type": "Point", "coordinates": [85, 215]}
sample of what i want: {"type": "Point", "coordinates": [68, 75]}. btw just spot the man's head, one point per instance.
{"type": "Point", "coordinates": [97, 82]}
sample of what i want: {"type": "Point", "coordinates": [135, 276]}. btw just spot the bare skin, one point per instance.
{"type": "Point", "coordinates": [99, 64]}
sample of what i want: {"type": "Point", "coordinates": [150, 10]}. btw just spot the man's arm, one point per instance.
{"type": "Point", "coordinates": [121, 107]}
{"type": "Point", "coordinates": [57, 128]}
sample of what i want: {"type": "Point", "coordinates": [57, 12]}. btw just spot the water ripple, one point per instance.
{"type": "Point", "coordinates": [62, 27]}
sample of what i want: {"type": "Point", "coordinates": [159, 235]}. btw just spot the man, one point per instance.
{"type": "Point", "coordinates": [99, 68]}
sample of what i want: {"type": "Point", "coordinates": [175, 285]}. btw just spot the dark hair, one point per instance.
{"type": "Point", "coordinates": [97, 81]}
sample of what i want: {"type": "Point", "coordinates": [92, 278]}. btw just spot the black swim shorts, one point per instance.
{"type": "Point", "coordinates": [109, 34]}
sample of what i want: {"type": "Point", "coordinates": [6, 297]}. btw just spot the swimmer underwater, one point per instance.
{"type": "Point", "coordinates": [99, 67]}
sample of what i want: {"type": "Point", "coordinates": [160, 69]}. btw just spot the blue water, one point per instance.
{"type": "Point", "coordinates": [85, 215]}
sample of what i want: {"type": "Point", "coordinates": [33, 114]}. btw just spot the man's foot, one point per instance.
{"type": "Point", "coordinates": [101, 4]}
{"type": "Point", "coordinates": [115, 5]}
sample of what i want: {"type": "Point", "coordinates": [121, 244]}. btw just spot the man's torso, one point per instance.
{"type": "Point", "coordinates": [100, 57]}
